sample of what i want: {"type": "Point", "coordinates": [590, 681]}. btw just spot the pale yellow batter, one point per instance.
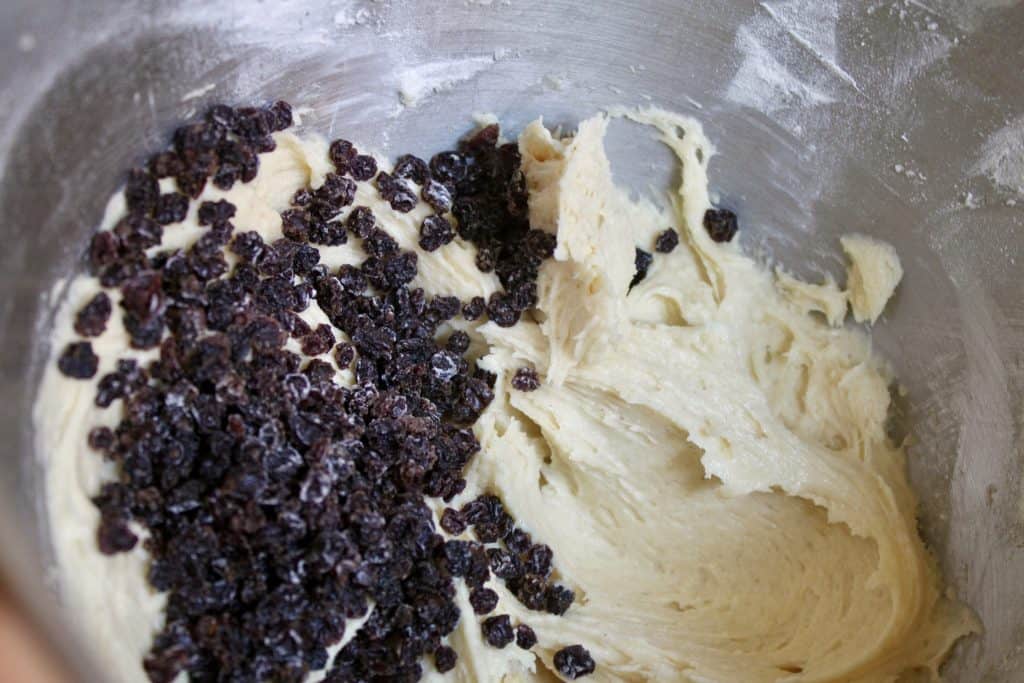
{"type": "Point", "coordinates": [706, 454]}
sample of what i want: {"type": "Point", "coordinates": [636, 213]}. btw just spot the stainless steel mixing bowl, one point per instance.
{"type": "Point", "coordinates": [903, 119]}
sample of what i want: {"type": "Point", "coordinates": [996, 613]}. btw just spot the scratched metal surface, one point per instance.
{"type": "Point", "coordinates": [881, 117]}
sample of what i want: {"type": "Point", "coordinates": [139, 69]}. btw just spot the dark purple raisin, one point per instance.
{"type": "Point", "coordinates": [558, 599]}
{"type": "Point", "coordinates": [337, 191]}
{"type": "Point", "coordinates": [249, 246]}
{"type": "Point", "coordinates": [412, 168]}
{"type": "Point", "coordinates": [281, 115]}
{"type": "Point", "coordinates": [267, 143]}
{"type": "Point", "coordinates": [330, 234]}
{"type": "Point", "coordinates": [166, 164]}
{"type": "Point", "coordinates": [501, 310]}
{"type": "Point", "coordinates": [379, 244]}
{"type": "Point", "coordinates": [141, 191]}
{"type": "Point", "coordinates": [484, 139]}
{"type": "Point", "coordinates": [103, 250]}
{"type": "Point", "coordinates": [170, 208]}
{"type": "Point", "coordinates": [448, 167]}
{"type": "Point", "coordinates": [540, 244]}
{"type": "Point", "coordinates": [215, 212]}
{"type": "Point", "coordinates": [458, 342]}
{"type": "Point", "coordinates": [111, 387]}
{"type": "Point", "coordinates": [574, 662]}
{"type": "Point", "coordinates": [142, 296]}
{"type": "Point", "coordinates": [452, 522]}
{"type": "Point", "coordinates": [222, 115]}
{"type": "Point", "coordinates": [226, 176]}
{"type": "Point", "coordinates": [319, 341]}
{"type": "Point", "coordinates": [352, 279]}
{"type": "Point", "coordinates": [485, 259]}
{"type": "Point", "coordinates": [252, 123]}
{"type": "Point", "coordinates": [137, 233]}
{"type": "Point", "coordinates": [458, 556]}
{"type": "Point", "coordinates": [342, 152]}
{"type": "Point", "coordinates": [114, 536]}
{"type": "Point", "coordinates": [302, 197]}
{"type": "Point", "coordinates": [666, 241]}
{"type": "Point", "coordinates": [504, 564]}
{"type": "Point", "coordinates": [250, 164]}
{"type": "Point", "coordinates": [437, 195]}
{"type": "Point", "coordinates": [362, 167]}
{"type": "Point", "coordinates": [144, 333]}
{"type": "Point", "coordinates": [525, 637]}
{"type": "Point", "coordinates": [92, 319]}
{"type": "Point", "coordinates": [191, 182]}
{"type": "Point", "coordinates": [538, 560]}
{"type": "Point", "coordinates": [497, 631]}
{"type": "Point", "coordinates": [526, 379]}
{"type": "Point", "coordinates": [344, 354]}
{"type": "Point", "coordinates": [483, 600]}
{"type": "Point", "coordinates": [721, 224]}
{"type": "Point", "coordinates": [642, 261]}
{"type": "Point", "coordinates": [445, 659]}
{"type": "Point", "coordinates": [400, 269]}
{"type": "Point", "coordinates": [101, 439]}
{"type": "Point", "coordinates": [305, 259]}
{"type": "Point", "coordinates": [435, 232]}
{"type": "Point", "coordinates": [442, 308]}
{"type": "Point", "coordinates": [524, 296]}
{"type": "Point", "coordinates": [196, 138]}
{"type": "Point", "coordinates": [295, 225]}
{"type": "Point", "coordinates": [518, 541]}
{"type": "Point", "coordinates": [474, 308]}
{"type": "Point", "coordinates": [360, 221]}
{"type": "Point", "coordinates": [396, 193]}
{"type": "Point", "coordinates": [78, 360]}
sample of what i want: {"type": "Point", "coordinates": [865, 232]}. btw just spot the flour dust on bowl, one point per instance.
{"type": "Point", "coordinates": [622, 394]}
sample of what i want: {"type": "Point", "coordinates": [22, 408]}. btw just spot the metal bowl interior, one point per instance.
{"type": "Point", "coordinates": [901, 120]}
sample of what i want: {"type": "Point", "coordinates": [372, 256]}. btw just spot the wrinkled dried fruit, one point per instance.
{"type": "Point", "coordinates": [215, 212]}
{"type": "Point", "coordinates": [474, 308]}
{"type": "Point", "coordinates": [413, 168]}
{"type": "Point", "coordinates": [526, 379]}
{"type": "Point", "coordinates": [574, 662]}
{"type": "Point", "coordinates": [642, 262]}
{"type": "Point", "coordinates": [498, 631]}
{"type": "Point", "coordinates": [92, 319]}
{"type": "Point", "coordinates": [483, 600]}
{"type": "Point", "coordinates": [445, 659]}
{"type": "Point", "coordinates": [525, 637]}
{"type": "Point", "coordinates": [721, 224]}
{"type": "Point", "coordinates": [78, 360]}
{"type": "Point", "coordinates": [435, 232]}
{"type": "Point", "coordinates": [276, 502]}
{"type": "Point", "coordinates": [362, 167]}
{"type": "Point", "coordinates": [559, 599]}
{"type": "Point", "coordinates": [666, 241]}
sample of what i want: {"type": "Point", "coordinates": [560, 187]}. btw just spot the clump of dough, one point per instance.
{"type": "Point", "coordinates": [872, 276]}
{"type": "Point", "coordinates": [825, 298]}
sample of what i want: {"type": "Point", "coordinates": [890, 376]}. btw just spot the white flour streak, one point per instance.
{"type": "Point", "coordinates": [764, 83]}
{"type": "Point", "coordinates": [812, 24]}
{"type": "Point", "coordinates": [198, 92]}
{"type": "Point", "coordinates": [1001, 158]}
{"type": "Point", "coordinates": [921, 5]}
{"type": "Point", "coordinates": [790, 58]}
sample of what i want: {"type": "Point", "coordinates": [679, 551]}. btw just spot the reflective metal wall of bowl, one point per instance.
{"type": "Point", "coordinates": [904, 120]}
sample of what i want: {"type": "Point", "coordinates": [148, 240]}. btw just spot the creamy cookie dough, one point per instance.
{"type": "Point", "coordinates": [872, 277]}
{"type": "Point", "coordinates": [706, 454]}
